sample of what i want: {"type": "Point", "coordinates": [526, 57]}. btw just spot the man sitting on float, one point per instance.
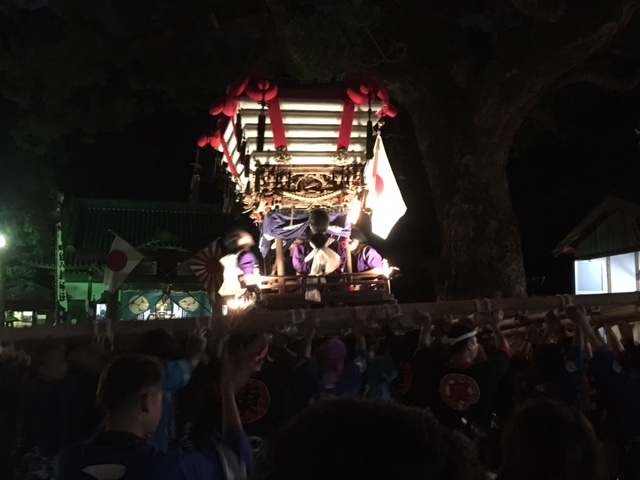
{"type": "Point", "coordinates": [364, 258]}
{"type": "Point", "coordinates": [319, 256]}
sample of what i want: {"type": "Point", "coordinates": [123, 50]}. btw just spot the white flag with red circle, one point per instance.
{"type": "Point", "coordinates": [121, 261]}
{"type": "Point", "coordinates": [207, 267]}
{"type": "Point", "coordinates": [384, 197]}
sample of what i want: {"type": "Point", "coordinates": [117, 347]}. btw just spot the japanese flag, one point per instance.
{"type": "Point", "coordinates": [384, 197]}
{"type": "Point", "coordinates": [122, 259]}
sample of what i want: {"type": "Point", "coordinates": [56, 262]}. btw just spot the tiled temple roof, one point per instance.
{"type": "Point", "coordinates": [89, 226]}
{"type": "Point", "coordinates": [191, 226]}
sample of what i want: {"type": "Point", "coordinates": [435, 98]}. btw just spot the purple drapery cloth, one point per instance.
{"type": "Point", "coordinates": [288, 228]}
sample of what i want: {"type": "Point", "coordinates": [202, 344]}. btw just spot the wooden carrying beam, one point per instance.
{"type": "Point", "coordinates": [609, 307]}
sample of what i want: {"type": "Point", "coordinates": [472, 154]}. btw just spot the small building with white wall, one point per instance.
{"type": "Point", "coordinates": [606, 249]}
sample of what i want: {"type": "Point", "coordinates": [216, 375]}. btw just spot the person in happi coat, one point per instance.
{"type": "Point", "coordinates": [240, 265]}
{"type": "Point", "coordinates": [365, 258]}
{"type": "Point", "coordinates": [304, 255]}
{"type": "Point", "coordinates": [320, 256]}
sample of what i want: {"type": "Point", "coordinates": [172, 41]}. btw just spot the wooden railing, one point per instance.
{"type": "Point", "coordinates": [342, 282]}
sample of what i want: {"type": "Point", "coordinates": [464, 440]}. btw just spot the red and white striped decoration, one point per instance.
{"type": "Point", "coordinates": [207, 267]}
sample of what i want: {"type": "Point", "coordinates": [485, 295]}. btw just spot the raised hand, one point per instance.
{"type": "Point", "coordinates": [196, 346]}
{"type": "Point", "coordinates": [235, 370]}
{"type": "Point", "coordinates": [626, 332]}
{"type": "Point", "coordinates": [496, 317]}
{"type": "Point", "coordinates": [577, 315]}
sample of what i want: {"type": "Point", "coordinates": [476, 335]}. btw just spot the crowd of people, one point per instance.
{"type": "Point", "coordinates": [439, 399]}
{"type": "Point", "coordinates": [448, 400]}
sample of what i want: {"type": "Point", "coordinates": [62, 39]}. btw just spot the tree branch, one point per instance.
{"type": "Point", "coordinates": [544, 10]}
{"type": "Point", "coordinates": [565, 45]}
{"type": "Point", "coordinates": [525, 67]}
{"type": "Point", "coordinates": [385, 57]}
{"type": "Point", "coordinates": [608, 82]}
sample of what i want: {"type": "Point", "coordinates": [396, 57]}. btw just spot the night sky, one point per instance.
{"type": "Point", "coordinates": [558, 177]}
{"type": "Point", "coordinates": [576, 147]}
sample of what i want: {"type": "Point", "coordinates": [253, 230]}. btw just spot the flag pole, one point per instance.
{"type": "Point", "coordinates": [112, 308]}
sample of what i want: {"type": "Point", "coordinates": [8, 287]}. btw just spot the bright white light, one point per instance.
{"type": "Point", "coordinates": [3, 241]}
{"type": "Point", "coordinates": [233, 304]}
{"type": "Point", "coordinates": [239, 305]}
{"type": "Point", "coordinates": [251, 279]}
{"type": "Point", "coordinates": [354, 213]}
{"type": "Point", "coordinates": [388, 270]}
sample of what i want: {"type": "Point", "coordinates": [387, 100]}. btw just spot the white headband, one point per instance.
{"type": "Point", "coordinates": [245, 240]}
{"type": "Point", "coordinates": [453, 341]}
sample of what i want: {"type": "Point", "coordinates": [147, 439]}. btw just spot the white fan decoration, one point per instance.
{"type": "Point", "coordinates": [189, 304]}
{"type": "Point", "coordinates": [139, 305]}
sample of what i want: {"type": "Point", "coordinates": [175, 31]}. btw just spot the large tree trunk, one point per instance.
{"type": "Point", "coordinates": [465, 151]}
{"type": "Point", "coordinates": [465, 126]}
{"type": "Point", "coordinates": [481, 250]}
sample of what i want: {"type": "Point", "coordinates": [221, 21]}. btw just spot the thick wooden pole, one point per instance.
{"type": "Point", "coordinates": [280, 263]}
{"type": "Point", "coordinates": [349, 267]}
{"type": "Point", "coordinates": [113, 307]}
{"type": "Point", "coordinates": [617, 305]}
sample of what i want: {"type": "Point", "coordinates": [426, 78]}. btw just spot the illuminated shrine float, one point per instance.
{"type": "Point", "coordinates": [287, 152]}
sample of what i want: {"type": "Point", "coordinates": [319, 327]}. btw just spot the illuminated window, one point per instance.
{"type": "Point", "coordinates": [591, 276]}
{"type": "Point", "coordinates": [623, 273]}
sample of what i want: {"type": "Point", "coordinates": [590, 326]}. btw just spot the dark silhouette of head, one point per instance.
{"type": "Point", "coordinates": [348, 438]}
{"type": "Point", "coordinates": [631, 358]}
{"type": "Point", "coordinates": [551, 440]}
{"type": "Point", "coordinates": [131, 388]}
{"type": "Point", "coordinates": [50, 361]}
{"type": "Point", "coordinates": [318, 221]}
{"type": "Point", "coordinates": [549, 360]}
{"type": "Point", "coordinates": [159, 343]}
{"type": "Point", "coordinates": [125, 378]}
{"type": "Point", "coordinates": [460, 330]}
{"type": "Point", "coordinates": [357, 234]}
